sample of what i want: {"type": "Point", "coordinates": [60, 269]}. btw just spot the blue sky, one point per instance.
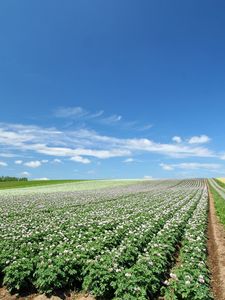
{"type": "Point", "coordinates": [112, 89]}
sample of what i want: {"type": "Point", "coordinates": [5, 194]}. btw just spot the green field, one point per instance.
{"type": "Point", "coordinates": [220, 182]}
{"type": "Point", "coordinates": [219, 205]}
{"type": "Point", "coordinates": [24, 184]}
{"type": "Point", "coordinates": [112, 239]}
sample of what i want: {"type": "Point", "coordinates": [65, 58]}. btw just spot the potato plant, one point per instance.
{"type": "Point", "coordinates": [116, 242]}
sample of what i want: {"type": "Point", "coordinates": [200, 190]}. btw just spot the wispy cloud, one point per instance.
{"type": "Point", "coordinates": [76, 112]}
{"type": "Point", "coordinates": [111, 119]}
{"type": "Point", "coordinates": [145, 127]}
{"type": "Point", "coordinates": [191, 166]}
{"type": "Point", "coordinates": [8, 155]}
{"type": "Point", "coordinates": [67, 143]}
{"type": "Point", "coordinates": [202, 139]}
{"type": "Point", "coordinates": [25, 174]}
{"type": "Point", "coordinates": [57, 161]}
{"type": "Point", "coordinates": [70, 112]}
{"type": "Point", "coordinates": [177, 139]}
{"type": "Point", "coordinates": [131, 160]}
{"type": "Point", "coordinates": [80, 159]}
{"type": "Point", "coordinates": [33, 164]}
{"type": "Point", "coordinates": [80, 114]}
{"type": "Point", "coordinates": [148, 177]}
{"type": "Point", "coordinates": [3, 164]}
{"type": "Point", "coordinates": [166, 167]}
{"type": "Point", "coordinates": [18, 162]}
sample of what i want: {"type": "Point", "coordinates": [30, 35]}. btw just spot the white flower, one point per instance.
{"type": "Point", "coordinates": [201, 279]}
{"type": "Point", "coordinates": [173, 276]}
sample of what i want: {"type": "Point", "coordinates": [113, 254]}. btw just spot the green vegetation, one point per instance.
{"type": "Point", "coordinates": [80, 185]}
{"type": "Point", "coordinates": [219, 203]}
{"type": "Point", "coordinates": [8, 178]}
{"type": "Point", "coordinates": [24, 184]}
{"type": "Point", "coordinates": [222, 184]}
{"type": "Point", "coordinates": [119, 243]}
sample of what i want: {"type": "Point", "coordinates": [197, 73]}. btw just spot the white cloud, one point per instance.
{"type": "Point", "coordinates": [129, 160]}
{"type": "Point", "coordinates": [18, 162]}
{"type": "Point", "coordinates": [145, 127]}
{"type": "Point", "coordinates": [80, 159]}
{"type": "Point", "coordinates": [76, 112]}
{"type": "Point", "coordinates": [33, 164]}
{"type": "Point", "coordinates": [112, 119]}
{"type": "Point", "coordinates": [60, 151]}
{"type": "Point", "coordinates": [3, 164]}
{"type": "Point", "coordinates": [42, 178]}
{"type": "Point", "coordinates": [191, 166]}
{"type": "Point", "coordinates": [202, 139]}
{"type": "Point", "coordinates": [8, 155]}
{"type": "Point", "coordinates": [25, 174]}
{"type": "Point", "coordinates": [57, 161]}
{"type": "Point", "coordinates": [96, 115]}
{"type": "Point", "coordinates": [166, 149]}
{"type": "Point", "coordinates": [65, 112]}
{"type": "Point", "coordinates": [177, 139]}
{"type": "Point", "coordinates": [148, 177]}
{"type": "Point", "coordinates": [44, 161]}
{"type": "Point", "coordinates": [166, 167]}
{"type": "Point", "coordinates": [195, 166]}
{"type": "Point", "coordinates": [72, 143]}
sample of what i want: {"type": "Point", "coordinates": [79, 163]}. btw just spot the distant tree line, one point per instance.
{"type": "Point", "coordinates": [8, 178]}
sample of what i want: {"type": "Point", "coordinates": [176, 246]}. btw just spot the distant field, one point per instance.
{"type": "Point", "coordinates": [221, 179]}
{"type": "Point", "coordinates": [221, 182]}
{"type": "Point", "coordinates": [23, 184]}
{"type": "Point", "coordinates": [49, 186]}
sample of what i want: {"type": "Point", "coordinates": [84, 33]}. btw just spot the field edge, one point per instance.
{"type": "Point", "coordinates": [216, 250]}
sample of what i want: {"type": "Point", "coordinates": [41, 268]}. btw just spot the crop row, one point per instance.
{"type": "Point", "coordinates": [105, 244]}
{"type": "Point", "coordinates": [144, 279]}
{"type": "Point", "coordinates": [190, 277]}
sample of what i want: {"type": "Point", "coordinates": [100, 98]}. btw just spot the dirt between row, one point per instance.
{"type": "Point", "coordinates": [216, 251]}
{"type": "Point", "coordinates": [5, 295]}
{"type": "Point", "coordinates": [216, 261]}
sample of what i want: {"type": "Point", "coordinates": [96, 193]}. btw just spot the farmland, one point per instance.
{"type": "Point", "coordinates": [23, 184]}
{"type": "Point", "coordinates": [221, 179]}
{"type": "Point", "coordinates": [114, 239]}
{"type": "Point", "coordinates": [80, 184]}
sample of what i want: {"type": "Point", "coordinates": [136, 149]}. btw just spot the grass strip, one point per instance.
{"type": "Point", "coordinates": [24, 184]}
{"type": "Point", "coordinates": [219, 203]}
{"type": "Point", "coordinates": [220, 183]}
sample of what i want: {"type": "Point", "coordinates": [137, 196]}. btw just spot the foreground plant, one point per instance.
{"type": "Point", "coordinates": [112, 242]}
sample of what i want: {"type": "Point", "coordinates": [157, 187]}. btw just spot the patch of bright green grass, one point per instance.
{"type": "Point", "coordinates": [24, 184]}
{"type": "Point", "coordinates": [219, 203]}
{"type": "Point", "coordinates": [222, 184]}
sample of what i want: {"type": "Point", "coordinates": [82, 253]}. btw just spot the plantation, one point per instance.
{"type": "Point", "coordinates": [21, 183]}
{"type": "Point", "coordinates": [115, 239]}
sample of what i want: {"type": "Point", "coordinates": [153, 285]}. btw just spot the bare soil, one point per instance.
{"type": "Point", "coordinates": [5, 295]}
{"type": "Point", "coordinates": [216, 251]}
